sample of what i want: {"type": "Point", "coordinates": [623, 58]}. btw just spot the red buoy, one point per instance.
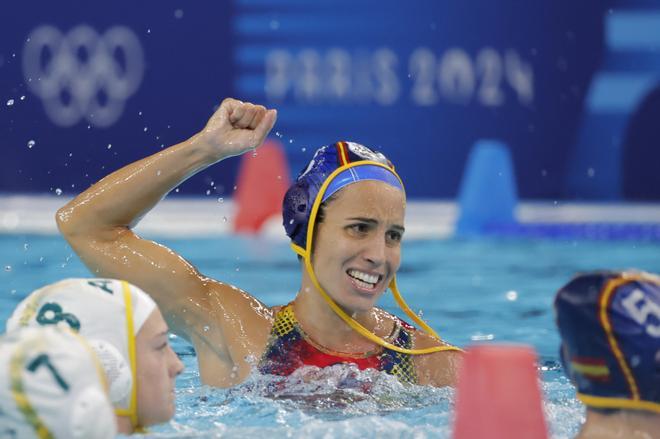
{"type": "Point", "coordinates": [263, 179]}
{"type": "Point", "coordinates": [498, 395]}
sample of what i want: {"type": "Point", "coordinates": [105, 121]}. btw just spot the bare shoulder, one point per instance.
{"type": "Point", "coordinates": [229, 328]}
{"type": "Point", "coordinates": [236, 312]}
{"type": "Point", "coordinates": [438, 369]}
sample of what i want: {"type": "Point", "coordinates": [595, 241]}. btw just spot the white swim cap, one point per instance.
{"type": "Point", "coordinates": [52, 385]}
{"type": "Point", "coordinates": [108, 313]}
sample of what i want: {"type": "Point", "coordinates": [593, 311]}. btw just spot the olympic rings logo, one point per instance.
{"type": "Point", "coordinates": [82, 74]}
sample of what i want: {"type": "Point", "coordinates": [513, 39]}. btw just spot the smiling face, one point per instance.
{"type": "Point", "coordinates": [357, 247]}
{"type": "Point", "coordinates": [157, 368]}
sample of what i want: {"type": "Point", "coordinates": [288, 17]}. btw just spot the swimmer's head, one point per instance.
{"type": "Point", "coordinates": [332, 168]}
{"type": "Point", "coordinates": [52, 385]}
{"type": "Point", "coordinates": [110, 314]}
{"type": "Point", "coordinates": [610, 328]}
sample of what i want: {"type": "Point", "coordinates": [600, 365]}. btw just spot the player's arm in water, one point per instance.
{"type": "Point", "coordinates": [223, 323]}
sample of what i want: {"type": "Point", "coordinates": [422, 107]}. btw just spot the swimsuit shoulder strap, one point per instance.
{"type": "Point", "coordinates": [285, 321]}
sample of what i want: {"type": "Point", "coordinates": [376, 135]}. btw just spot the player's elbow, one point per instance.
{"type": "Point", "coordinates": [65, 222]}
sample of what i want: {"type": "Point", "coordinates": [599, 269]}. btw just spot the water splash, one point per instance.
{"type": "Point", "coordinates": [312, 402]}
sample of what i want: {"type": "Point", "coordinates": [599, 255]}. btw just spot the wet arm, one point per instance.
{"type": "Point", "coordinates": [98, 223]}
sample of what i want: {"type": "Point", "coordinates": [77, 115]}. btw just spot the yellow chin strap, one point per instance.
{"type": "Point", "coordinates": [131, 412]}
{"type": "Point", "coordinates": [306, 254]}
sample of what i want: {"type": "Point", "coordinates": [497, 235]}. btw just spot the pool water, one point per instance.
{"type": "Point", "coordinates": [471, 291]}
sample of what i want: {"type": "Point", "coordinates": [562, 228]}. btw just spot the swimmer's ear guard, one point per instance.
{"type": "Point", "coordinates": [332, 168]}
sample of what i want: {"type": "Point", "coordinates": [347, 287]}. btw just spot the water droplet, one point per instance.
{"type": "Point", "coordinates": [145, 129]}
{"type": "Point", "coordinates": [635, 360]}
{"type": "Point", "coordinates": [224, 219]}
{"type": "Point", "coordinates": [290, 140]}
{"type": "Point", "coordinates": [176, 190]}
{"type": "Point", "coordinates": [10, 102]}
{"type": "Point", "coordinates": [482, 337]}
{"type": "Point", "coordinates": [235, 187]}
{"type": "Point", "coordinates": [139, 113]}
{"type": "Point", "coordinates": [278, 134]}
{"type": "Point", "coordinates": [208, 192]}
{"type": "Point", "coordinates": [291, 221]}
{"type": "Point", "coordinates": [13, 292]}
{"type": "Point", "coordinates": [41, 259]}
{"type": "Point", "coordinates": [206, 328]}
{"type": "Point", "coordinates": [591, 172]}
{"type": "Point", "coordinates": [7, 267]}
{"type": "Point", "coordinates": [109, 145]}
{"type": "Point", "coordinates": [221, 200]}
{"type": "Point", "coordinates": [511, 296]}
{"type": "Point", "coordinates": [22, 98]}
{"type": "Point", "coordinates": [304, 149]}
{"type": "Point", "coordinates": [31, 143]}
{"type": "Point", "coordinates": [26, 246]}
{"type": "Point", "coordinates": [254, 153]}
{"type": "Point", "coordinates": [58, 191]}
{"type": "Point", "coordinates": [148, 31]}
{"type": "Point", "coordinates": [279, 177]}
{"type": "Point", "coordinates": [238, 269]}
{"type": "Point", "coordinates": [158, 172]}
{"type": "Point", "coordinates": [178, 14]}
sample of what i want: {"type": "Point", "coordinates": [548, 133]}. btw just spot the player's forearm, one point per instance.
{"type": "Point", "coordinates": [123, 197]}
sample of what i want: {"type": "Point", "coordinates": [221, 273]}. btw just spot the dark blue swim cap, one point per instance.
{"type": "Point", "coordinates": [299, 199]}
{"type": "Point", "coordinates": [610, 328]}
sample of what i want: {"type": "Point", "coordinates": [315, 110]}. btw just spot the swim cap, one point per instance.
{"type": "Point", "coordinates": [610, 328]}
{"type": "Point", "coordinates": [107, 312]}
{"type": "Point", "coordinates": [300, 198]}
{"type": "Point", "coordinates": [51, 385]}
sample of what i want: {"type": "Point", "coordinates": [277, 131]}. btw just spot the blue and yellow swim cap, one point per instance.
{"type": "Point", "coordinates": [300, 198]}
{"type": "Point", "coordinates": [610, 328]}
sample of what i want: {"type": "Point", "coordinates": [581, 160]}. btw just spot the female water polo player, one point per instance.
{"type": "Point", "coordinates": [345, 216]}
{"type": "Point", "coordinates": [609, 324]}
{"type": "Point", "coordinates": [127, 332]}
{"type": "Point", "coordinates": [52, 386]}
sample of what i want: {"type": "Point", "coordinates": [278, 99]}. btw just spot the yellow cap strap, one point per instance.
{"type": "Point", "coordinates": [618, 403]}
{"type": "Point", "coordinates": [130, 336]}
{"type": "Point", "coordinates": [18, 393]}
